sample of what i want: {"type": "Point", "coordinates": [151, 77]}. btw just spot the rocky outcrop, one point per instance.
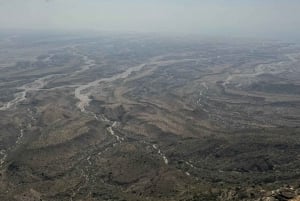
{"type": "Point", "coordinates": [286, 193]}
{"type": "Point", "coordinates": [283, 194]}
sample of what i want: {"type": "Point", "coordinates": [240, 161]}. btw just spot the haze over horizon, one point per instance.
{"type": "Point", "coordinates": [268, 19]}
{"type": "Point", "coordinates": [149, 100]}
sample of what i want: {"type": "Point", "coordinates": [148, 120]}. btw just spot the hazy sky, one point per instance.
{"type": "Point", "coordinates": [249, 18]}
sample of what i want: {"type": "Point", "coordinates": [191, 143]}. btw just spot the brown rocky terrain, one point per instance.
{"type": "Point", "coordinates": [149, 118]}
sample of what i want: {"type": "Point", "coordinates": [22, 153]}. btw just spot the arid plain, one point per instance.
{"type": "Point", "coordinates": [148, 118]}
